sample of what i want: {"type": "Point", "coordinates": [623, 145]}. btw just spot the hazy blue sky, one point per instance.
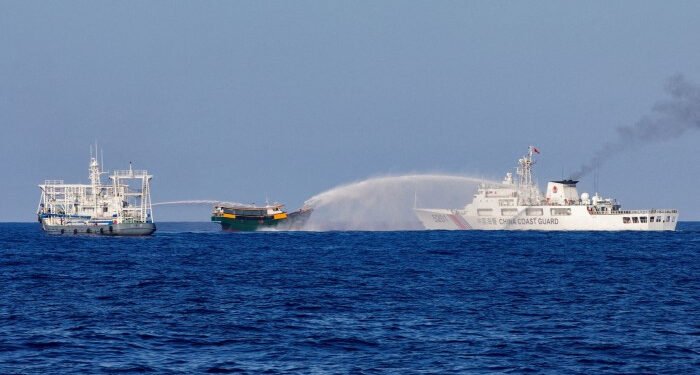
{"type": "Point", "coordinates": [243, 100]}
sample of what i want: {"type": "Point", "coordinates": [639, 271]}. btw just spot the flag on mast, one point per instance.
{"type": "Point", "coordinates": [535, 149]}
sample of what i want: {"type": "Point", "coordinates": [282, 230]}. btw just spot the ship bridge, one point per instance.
{"type": "Point", "coordinates": [562, 192]}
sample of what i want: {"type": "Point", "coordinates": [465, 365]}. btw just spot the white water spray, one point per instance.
{"type": "Point", "coordinates": [379, 203]}
{"type": "Point", "coordinates": [191, 209]}
{"type": "Point", "coordinates": [199, 202]}
{"type": "Point", "coordinates": [386, 203]}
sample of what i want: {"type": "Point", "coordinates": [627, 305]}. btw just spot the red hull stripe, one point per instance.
{"type": "Point", "coordinates": [460, 222]}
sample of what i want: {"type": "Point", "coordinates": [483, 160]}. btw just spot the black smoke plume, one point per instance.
{"type": "Point", "coordinates": [670, 119]}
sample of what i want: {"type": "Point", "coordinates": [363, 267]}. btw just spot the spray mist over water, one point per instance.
{"type": "Point", "coordinates": [199, 202]}
{"type": "Point", "coordinates": [670, 119]}
{"type": "Point", "coordinates": [386, 203]}
{"type": "Point", "coordinates": [380, 203]}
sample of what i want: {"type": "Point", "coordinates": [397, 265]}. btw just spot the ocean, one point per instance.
{"type": "Point", "coordinates": [192, 299]}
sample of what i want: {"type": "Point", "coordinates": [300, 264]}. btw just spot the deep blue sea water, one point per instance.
{"type": "Point", "coordinates": [192, 299]}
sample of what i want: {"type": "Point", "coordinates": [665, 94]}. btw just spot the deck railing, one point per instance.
{"type": "Point", "coordinates": [635, 212]}
{"type": "Point", "coordinates": [138, 173]}
{"type": "Point", "coordinates": [53, 182]}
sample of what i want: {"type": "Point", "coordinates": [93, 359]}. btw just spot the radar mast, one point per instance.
{"type": "Point", "coordinates": [527, 190]}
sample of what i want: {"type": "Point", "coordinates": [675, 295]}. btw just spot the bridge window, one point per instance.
{"type": "Point", "coordinates": [658, 219]}
{"type": "Point", "coordinates": [506, 202]}
{"type": "Point", "coordinates": [626, 220]}
{"type": "Point", "coordinates": [560, 211]}
{"type": "Point", "coordinates": [635, 220]}
{"type": "Point", "coordinates": [651, 219]}
{"type": "Point", "coordinates": [643, 219]}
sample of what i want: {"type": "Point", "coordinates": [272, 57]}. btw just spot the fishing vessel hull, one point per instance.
{"type": "Point", "coordinates": [578, 219]}
{"type": "Point", "coordinates": [119, 229]}
{"type": "Point", "coordinates": [238, 223]}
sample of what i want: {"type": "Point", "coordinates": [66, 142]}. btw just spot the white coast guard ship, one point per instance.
{"type": "Point", "coordinates": [120, 208]}
{"type": "Point", "coordinates": [520, 205]}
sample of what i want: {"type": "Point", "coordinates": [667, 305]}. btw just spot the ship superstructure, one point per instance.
{"type": "Point", "coordinates": [519, 205]}
{"type": "Point", "coordinates": [120, 207]}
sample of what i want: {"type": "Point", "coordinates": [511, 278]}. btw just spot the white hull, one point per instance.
{"type": "Point", "coordinates": [123, 229]}
{"type": "Point", "coordinates": [579, 219]}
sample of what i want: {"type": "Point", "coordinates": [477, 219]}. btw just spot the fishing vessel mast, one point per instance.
{"type": "Point", "coordinates": [95, 181]}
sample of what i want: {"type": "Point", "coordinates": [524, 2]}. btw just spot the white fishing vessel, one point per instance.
{"type": "Point", "coordinates": [120, 208]}
{"type": "Point", "coordinates": [519, 205]}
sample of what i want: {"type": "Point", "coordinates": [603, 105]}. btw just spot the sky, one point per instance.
{"type": "Point", "coordinates": [243, 101]}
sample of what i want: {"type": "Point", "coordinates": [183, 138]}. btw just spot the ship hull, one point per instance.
{"type": "Point", "coordinates": [242, 224]}
{"type": "Point", "coordinates": [123, 229]}
{"type": "Point", "coordinates": [579, 220]}
{"type": "Point", "coordinates": [293, 221]}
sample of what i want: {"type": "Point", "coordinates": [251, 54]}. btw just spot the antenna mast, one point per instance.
{"type": "Point", "coordinates": [595, 177]}
{"type": "Point", "coordinates": [528, 192]}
